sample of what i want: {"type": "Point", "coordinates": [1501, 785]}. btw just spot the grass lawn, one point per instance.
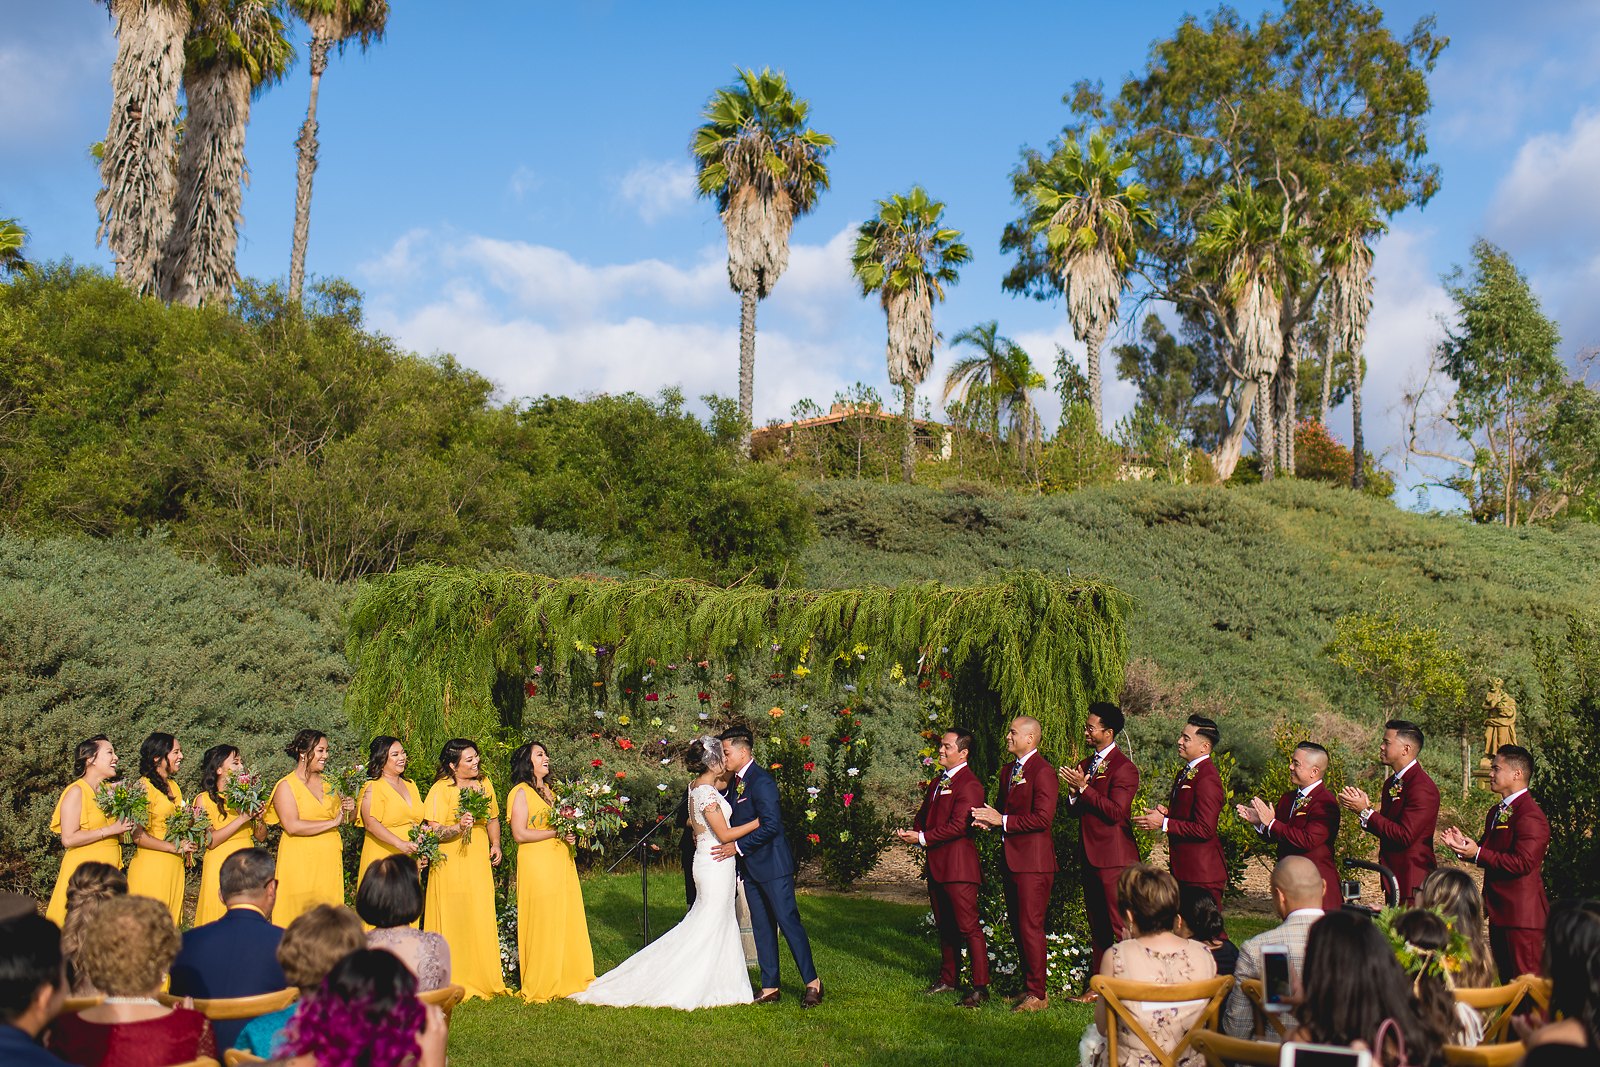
{"type": "Point", "coordinates": [874, 961]}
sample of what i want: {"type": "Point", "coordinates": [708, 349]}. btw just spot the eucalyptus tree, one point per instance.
{"type": "Point", "coordinates": [996, 382]}
{"type": "Point", "coordinates": [236, 49]}
{"type": "Point", "coordinates": [758, 158]}
{"type": "Point", "coordinates": [1090, 219]}
{"type": "Point", "coordinates": [1349, 301]}
{"type": "Point", "coordinates": [907, 256]}
{"type": "Point", "coordinates": [137, 172]}
{"type": "Point", "coordinates": [332, 22]}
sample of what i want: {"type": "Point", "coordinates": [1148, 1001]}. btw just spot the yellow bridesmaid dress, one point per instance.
{"type": "Point", "coordinates": [552, 932]}
{"type": "Point", "coordinates": [310, 869]}
{"type": "Point", "coordinates": [460, 901]}
{"type": "Point", "coordinates": [395, 814]}
{"type": "Point", "coordinates": [106, 850]}
{"type": "Point", "coordinates": [209, 908]}
{"type": "Point", "coordinates": [154, 873]}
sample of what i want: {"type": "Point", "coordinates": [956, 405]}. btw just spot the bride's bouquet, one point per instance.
{"type": "Point", "coordinates": [124, 800]}
{"type": "Point", "coordinates": [187, 826]}
{"type": "Point", "coordinates": [590, 811]}
{"type": "Point", "coordinates": [246, 794]}
{"type": "Point", "coordinates": [473, 802]}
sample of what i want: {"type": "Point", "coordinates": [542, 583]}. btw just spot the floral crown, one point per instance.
{"type": "Point", "coordinates": [1443, 963]}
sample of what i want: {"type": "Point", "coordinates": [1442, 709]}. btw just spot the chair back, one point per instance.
{"type": "Point", "coordinates": [234, 1057]}
{"type": "Point", "coordinates": [1496, 1004]}
{"type": "Point", "coordinates": [445, 999]}
{"type": "Point", "coordinates": [1539, 989]}
{"type": "Point", "coordinates": [203, 1061]}
{"type": "Point", "coordinates": [1220, 1050]}
{"type": "Point", "coordinates": [223, 1008]}
{"type": "Point", "coordinates": [1501, 1055]}
{"type": "Point", "coordinates": [1116, 993]}
{"type": "Point", "coordinates": [73, 1005]}
{"type": "Point", "coordinates": [1256, 992]}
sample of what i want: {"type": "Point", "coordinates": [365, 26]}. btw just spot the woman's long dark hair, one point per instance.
{"type": "Point", "coordinates": [156, 747]}
{"type": "Point", "coordinates": [1433, 1000]}
{"type": "Point", "coordinates": [1353, 983]}
{"type": "Point", "coordinates": [303, 743]}
{"type": "Point", "coordinates": [85, 753]}
{"type": "Point", "coordinates": [451, 754]}
{"type": "Point", "coordinates": [210, 768]}
{"type": "Point", "coordinates": [1572, 963]}
{"type": "Point", "coordinates": [378, 754]}
{"type": "Point", "coordinates": [522, 771]}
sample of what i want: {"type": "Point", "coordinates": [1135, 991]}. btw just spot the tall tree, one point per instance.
{"type": "Point", "coordinates": [759, 160]}
{"type": "Point", "coordinates": [332, 22]}
{"type": "Point", "coordinates": [907, 255]}
{"type": "Point", "coordinates": [1349, 301]}
{"type": "Point", "coordinates": [1090, 217]}
{"type": "Point", "coordinates": [996, 383]}
{"type": "Point", "coordinates": [1180, 382]}
{"type": "Point", "coordinates": [236, 49]}
{"type": "Point", "coordinates": [137, 174]}
{"type": "Point", "coordinates": [13, 238]}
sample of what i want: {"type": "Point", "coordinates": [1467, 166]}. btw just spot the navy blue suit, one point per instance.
{"type": "Point", "coordinates": [236, 956]}
{"type": "Point", "coordinates": [17, 1049]}
{"type": "Point", "coordinates": [767, 867]}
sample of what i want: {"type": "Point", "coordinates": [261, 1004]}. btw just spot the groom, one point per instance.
{"type": "Point", "coordinates": [767, 870]}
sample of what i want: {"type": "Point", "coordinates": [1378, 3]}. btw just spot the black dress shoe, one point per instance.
{"type": "Point", "coordinates": [976, 998]}
{"type": "Point", "coordinates": [939, 987]}
{"type": "Point", "coordinates": [812, 997]}
{"type": "Point", "coordinates": [768, 998]}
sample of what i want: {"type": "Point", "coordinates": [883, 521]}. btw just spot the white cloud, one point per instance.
{"type": "Point", "coordinates": [1548, 195]}
{"type": "Point", "coordinates": [658, 188]}
{"type": "Point", "coordinates": [549, 279]}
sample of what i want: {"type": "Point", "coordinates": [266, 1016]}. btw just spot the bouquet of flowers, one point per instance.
{"type": "Point", "coordinates": [187, 826]}
{"type": "Point", "coordinates": [590, 810]}
{"type": "Point", "coordinates": [473, 802]}
{"type": "Point", "coordinates": [246, 794]}
{"type": "Point", "coordinates": [347, 781]}
{"type": "Point", "coordinates": [123, 800]}
{"type": "Point", "coordinates": [426, 838]}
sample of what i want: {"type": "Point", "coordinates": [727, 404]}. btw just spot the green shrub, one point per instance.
{"type": "Point", "coordinates": [1567, 751]}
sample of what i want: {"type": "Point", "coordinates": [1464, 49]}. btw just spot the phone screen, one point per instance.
{"type": "Point", "coordinates": [1294, 1055]}
{"type": "Point", "coordinates": [1275, 978]}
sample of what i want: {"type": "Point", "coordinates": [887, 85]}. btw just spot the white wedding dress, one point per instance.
{"type": "Point", "coordinates": [700, 962]}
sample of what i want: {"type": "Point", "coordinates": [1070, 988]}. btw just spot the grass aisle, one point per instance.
{"type": "Point", "coordinates": [874, 960]}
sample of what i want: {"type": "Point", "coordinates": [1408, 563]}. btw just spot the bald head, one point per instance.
{"type": "Point", "coordinates": [1023, 737]}
{"type": "Point", "coordinates": [1296, 884]}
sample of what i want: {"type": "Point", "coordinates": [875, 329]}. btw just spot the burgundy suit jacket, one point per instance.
{"type": "Point", "coordinates": [1512, 857]}
{"type": "Point", "coordinates": [1104, 809]}
{"type": "Point", "coordinates": [1030, 810]}
{"type": "Point", "coordinates": [1310, 832]}
{"type": "Point", "coordinates": [1192, 812]}
{"type": "Point", "coordinates": [1404, 825]}
{"type": "Point", "coordinates": [945, 821]}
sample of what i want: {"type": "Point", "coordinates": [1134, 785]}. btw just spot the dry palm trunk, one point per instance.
{"type": "Point", "coordinates": [1358, 472]}
{"type": "Point", "coordinates": [758, 230]}
{"type": "Point", "coordinates": [136, 170]}
{"type": "Point", "coordinates": [322, 38]}
{"type": "Point", "coordinates": [909, 352]}
{"type": "Point", "coordinates": [199, 264]}
{"type": "Point", "coordinates": [1093, 288]}
{"type": "Point", "coordinates": [1232, 444]}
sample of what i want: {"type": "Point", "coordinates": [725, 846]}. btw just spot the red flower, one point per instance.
{"type": "Point", "coordinates": [624, 744]}
{"type": "Point", "coordinates": [845, 740]}
{"type": "Point", "coordinates": [775, 766]}
{"type": "Point", "coordinates": [805, 739]}
{"type": "Point", "coordinates": [774, 677]}
{"type": "Point", "coordinates": [531, 688]}
{"type": "Point", "coordinates": [727, 704]}
{"type": "Point", "coordinates": [810, 766]}
{"type": "Point", "coordinates": [704, 696]}
{"type": "Point", "coordinates": [621, 775]}
{"type": "Point", "coordinates": [844, 713]}
{"type": "Point", "coordinates": [597, 763]}
{"type": "Point", "coordinates": [943, 673]}
{"type": "Point", "coordinates": [849, 798]}
{"type": "Point", "coordinates": [924, 684]}
{"type": "Point", "coordinates": [595, 736]}
{"type": "Point", "coordinates": [651, 696]}
{"type": "Point", "coordinates": [813, 838]}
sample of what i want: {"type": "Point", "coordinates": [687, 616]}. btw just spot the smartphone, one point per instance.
{"type": "Point", "coordinates": [1275, 977]}
{"type": "Point", "coordinates": [1295, 1054]}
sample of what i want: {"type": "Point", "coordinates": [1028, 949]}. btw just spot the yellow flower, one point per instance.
{"type": "Point", "coordinates": [776, 713]}
{"type": "Point", "coordinates": [623, 720]}
{"type": "Point", "coordinates": [898, 673]}
{"type": "Point", "coordinates": [801, 671]}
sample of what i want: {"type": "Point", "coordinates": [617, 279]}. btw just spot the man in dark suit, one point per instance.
{"type": "Point", "coordinates": [1100, 791]}
{"type": "Point", "coordinates": [1024, 813]}
{"type": "Point", "coordinates": [1408, 813]}
{"type": "Point", "coordinates": [33, 984]}
{"type": "Point", "coordinates": [236, 956]}
{"type": "Point", "coordinates": [1515, 837]}
{"type": "Point", "coordinates": [1189, 817]}
{"type": "Point", "coordinates": [767, 869]}
{"type": "Point", "coordinates": [943, 826]}
{"type": "Point", "coordinates": [1305, 821]}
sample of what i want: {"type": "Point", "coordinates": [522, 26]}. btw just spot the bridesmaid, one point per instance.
{"type": "Point", "coordinates": [85, 832]}
{"type": "Point", "coordinates": [157, 867]}
{"type": "Point", "coordinates": [220, 763]}
{"type": "Point", "coordinates": [310, 854]}
{"type": "Point", "coordinates": [460, 903]}
{"type": "Point", "coordinates": [390, 806]}
{"type": "Point", "coordinates": [552, 933]}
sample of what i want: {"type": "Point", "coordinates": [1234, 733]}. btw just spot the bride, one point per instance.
{"type": "Point", "coordinates": [700, 962]}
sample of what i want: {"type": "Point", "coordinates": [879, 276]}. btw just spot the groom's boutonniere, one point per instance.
{"type": "Point", "coordinates": [1504, 818]}
{"type": "Point", "coordinates": [738, 790]}
{"type": "Point", "coordinates": [1188, 775]}
{"type": "Point", "coordinates": [1394, 790]}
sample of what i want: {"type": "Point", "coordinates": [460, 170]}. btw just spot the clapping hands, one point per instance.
{"type": "Point", "coordinates": [1075, 779]}
{"type": "Point", "coordinates": [1257, 813]}
{"type": "Point", "coordinates": [1152, 819]}
{"type": "Point", "coordinates": [1353, 799]}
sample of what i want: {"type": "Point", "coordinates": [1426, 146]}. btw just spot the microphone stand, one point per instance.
{"type": "Point", "coordinates": [678, 813]}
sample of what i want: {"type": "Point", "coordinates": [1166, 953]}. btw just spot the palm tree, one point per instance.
{"type": "Point", "coordinates": [1349, 261]}
{"type": "Point", "coordinates": [763, 165]}
{"type": "Point", "coordinates": [237, 48]}
{"type": "Point", "coordinates": [997, 382]}
{"type": "Point", "coordinates": [1089, 218]}
{"type": "Point", "coordinates": [12, 240]}
{"type": "Point", "coordinates": [907, 256]}
{"type": "Point", "coordinates": [1254, 250]}
{"type": "Point", "coordinates": [332, 22]}
{"type": "Point", "coordinates": [137, 173]}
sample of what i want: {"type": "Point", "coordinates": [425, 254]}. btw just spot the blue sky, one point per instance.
{"type": "Point", "coordinates": [515, 189]}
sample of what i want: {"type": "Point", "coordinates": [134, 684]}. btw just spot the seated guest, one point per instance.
{"type": "Point", "coordinates": [1297, 894]}
{"type": "Point", "coordinates": [366, 1014]}
{"type": "Point", "coordinates": [1152, 952]}
{"type": "Point", "coordinates": [1423, 942]}
{"type": "Point", "coordinates": [90, 884]}
{"type": "Point", "coordinates": [1199, 919]}
{"type": "Point", "coordinates": [1572, 963]}
{"type": "Point", "coordinates": [1352, 984]}
{"type": "Point", "coordinates": [310, 947]}
{"type": "Point", "coordinates": [1451, 892]}
{"type": "Point", "coordinates": [33, 984]}
{"type": "Point", "coordinates": [128, 948]}
{"type": "Point", "coordinates": [237, 955]}
{"type": "Point", "coordinates": [390, 900]}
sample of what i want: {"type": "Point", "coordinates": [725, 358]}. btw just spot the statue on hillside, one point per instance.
{"type": "Point", "coordinates": [1500, 719]}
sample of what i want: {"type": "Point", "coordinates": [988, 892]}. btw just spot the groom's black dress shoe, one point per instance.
{"type": "Point", "coordinates": [812, 997]}
{"type": "Point", "coordinates": [939, 987]}
{"type": "Point", "coordinates": [768, 998]}
{"type": "Point", "coordinates": [976, 998]}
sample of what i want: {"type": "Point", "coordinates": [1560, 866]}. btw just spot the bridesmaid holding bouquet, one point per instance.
{"type": "Point", "coordinates": [460, 901]}
{"type": "Point", "coordinates": [310, 856]}
{"type": "Point", "coordinates": [157, 867]}
{"type": "Point", "coordinates": [85, 832]}
{"type": "Point", "coordinates": [390, 806]}
{"type": "Point", "coordinates": [552, 932]}
{"type": "Point", "coordinates": [230, 830]}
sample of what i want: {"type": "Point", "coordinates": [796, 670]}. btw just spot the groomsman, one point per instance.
{"type": "Point", "coordinates": [1024, 812]}
{"type": "Point", "coordinates": [1408, 813]}
{"type": "Point", "coordinates": [944, 827]}
{"type": "Point", "coordinates": [1515, 837]}
{"type": "Point", "coordinates": [1100, 793]}
{"type": "Point", "coordinates": [1305, 821]}
{"type": "Point", "coordinates": [1189, 817]}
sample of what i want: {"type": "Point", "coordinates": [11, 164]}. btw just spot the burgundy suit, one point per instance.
{"type": "Point", "coordinates": [1404, 825]}
{"type": "Point", "coordinates": [1511, 854]}
{"type": "Point", "coordinates": [1193, 848]}
{"type": "Point", "coordinates": [1310, 832]}
{"type": "Point", "coordinates": [945, 823]}
{"type": "Point", "coordinates": [1028, 802]}
{"type": "Point", "coordinates": [1105, 834]}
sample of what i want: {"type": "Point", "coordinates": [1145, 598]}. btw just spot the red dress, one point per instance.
{"type": "Point", "coordinates": [177, 1037]}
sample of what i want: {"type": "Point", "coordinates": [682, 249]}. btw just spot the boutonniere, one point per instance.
{"type": "Point", "coordinates": [1188, 775]}
{"type": "Point", "coordinates": [1504, 818]}
{"type": "Point", "coordinates": [738, 790]}
{"type": "Point", "coordinates": [1394, 791]}
{"type": "Point", "coordinates": [1018, 780]}
{"type": "Point", "coordinates": [1299, 802]}
{"type": "Point", "coordinates": [945, 790]}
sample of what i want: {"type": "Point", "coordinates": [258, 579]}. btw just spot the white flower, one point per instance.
{"type": "Point", "coordinates": [933, 716]}
{"type": "Point", "coordinates": [805, 707]}
{"type": "Point", "coordinates": [704, 716]}
{"type": "Point", "coordinates": [661, 787]}
{"type": "Point", "coordinates": [813, 790]}
{"type": "Point", "coordinates": [665, 760]}
{"type": "Point", "coordinates": [672, 729]}
{"type": "Point", "coordinates": [624, 800]}
{"type": "Point", "coordinates": [599, 714]}
{"type": "Point", "coordinates": [852, 771]}
{"type": "Point", "coordinates": [646, 677]}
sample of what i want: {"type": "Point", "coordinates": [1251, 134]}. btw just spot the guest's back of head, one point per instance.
{"type": "Point", "coordinates": [31, 977]}
{"type": "Point", "coordinates": [1427, 937]}
{"type": "Point", "coordinates": [315, 941]}
{"type": "Point", "coordinates": [128, 946]}
{"type": "Point", "coordinates": [1296, 885]}
{"type": "Point", "coordinates": [364, 1014]}
{"type": "Point", "coordinates": [246, 874]}
{"type": "Point", "coordinates": [1572, 963]}
{"type": "Point", "coordinates": [391, 893]}
{"type": "Point", "coordinates": [1452, 893]}
{"type": "Point", "coordinates": [1150, 896]}
{"type": "Point", "coordinates": [1199, 911]}
{"type": "Point", "coordinates": [90, 885]}
{"type": "Point", "coordinates": [1352, 983]}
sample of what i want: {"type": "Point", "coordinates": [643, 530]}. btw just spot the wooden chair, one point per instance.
{"type": "Point", "coordinates": [1265, 1020]}
{"type": "Point", "coordinates": [203, 1061]}
{"type": "Point", "coordinates": [1115, 992]}
{"type": "Point", "coordinates": [1538, 990]}
{"type": "Point", "coordinates": [235, 1057]}
{"type": "Point", "coordinates": [445, 999]}
{"type": "Point", "coordinates": [73, 1005]}
{"type": "Point", "coordinates": [1220, 1050]}
{"type": "Point", "coordinates": [1497, 1004]}
{"type": "Point", "coordinates": [1503, 1055]}
{"type": "Point", "coordinates": [223, 1008]}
